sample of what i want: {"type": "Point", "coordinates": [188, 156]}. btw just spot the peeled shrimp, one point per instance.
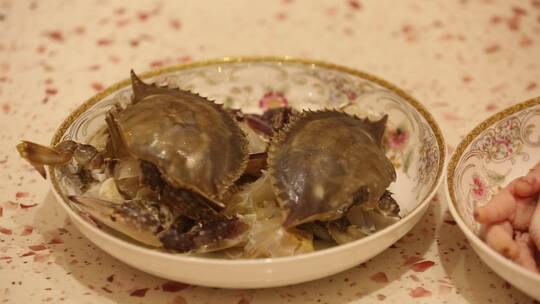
{"type": "Point", "coordinates": [522, 216]}
{"type": "Point", "coordinates": [511, 220]}
{"type": "Point", "coordinates": [529, 185]}
{"type": "Point", "coordinates": [499, 237]}
{"type": "Point", "coordinates": [501, 206]}
{"type": "Point", "coordinates": [534, 226]}
{"type": "Point", "coordinates": [525, 257]}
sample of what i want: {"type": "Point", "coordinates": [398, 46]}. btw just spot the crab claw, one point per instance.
{"type": "Point", "coordinates": [38, 155]}
{"type": "Point", "coordinates": [387, 205]}
{"type": "Point", "coordinates": [142, 220]}
{"type": "Point", "coordinates": [85, 156]}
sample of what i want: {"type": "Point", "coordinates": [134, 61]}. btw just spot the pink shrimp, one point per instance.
{"type": "Point", "coordinates": [499, 208]}
{"type": "Point", "coordinates": [512, 199]}
{"type": "Point", "coordinates": [521, 218]}
{"type": "Point", "coordinates": [514, 208]}
{"type": "Point", "coordinates": [525, 257]}
{"type": "Point", "coordinates": [499, 237]}
{"type": "Point", "coordinates": [534, 226]}
{"type": "Point", "coordinates": [529, 185]}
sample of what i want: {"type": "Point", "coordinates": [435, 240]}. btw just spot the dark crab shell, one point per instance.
{"type": "Point", "coordinates": [325, 161]}
{"type": "Point", "coordinates": [194, 142]}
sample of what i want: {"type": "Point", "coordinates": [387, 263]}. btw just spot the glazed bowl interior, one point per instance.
{"type": "Point", "coordinates": [413, 139]}
{"type": "Point", "coordinates": [503, 147]}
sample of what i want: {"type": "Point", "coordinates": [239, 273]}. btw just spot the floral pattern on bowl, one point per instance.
{"type": "Point", "coordinates": [500, 151]}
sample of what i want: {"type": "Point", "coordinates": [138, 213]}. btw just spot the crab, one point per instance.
{"type": "Point", "coordinates": [174, 155]}
{"type": "Point", "coordinates": [324, 163]}
{"type": "Point", "coordinates": [259, 129]}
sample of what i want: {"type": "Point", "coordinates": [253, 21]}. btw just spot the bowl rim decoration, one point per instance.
{"type": "Point", "coordinates": [251, 59]}
{"type": "Point", "coordinates": [452, 166]}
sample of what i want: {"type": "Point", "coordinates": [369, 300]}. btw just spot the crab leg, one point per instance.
{"type": "Point", "coordinates": [213, 231]}
{"type": "Point", "coordinates": [191, 205]}
{"type": "Point", "coordinates": [270, 121]}
{"type": "Point", "coordinates": [206, 236]}
{"type": "Point", "coordinates": [278, 117]}
{"type": "Point", "coordinates": [162, 225]}
{"type": "Point", "coordinates": [256, 163]}
{"type": "Point", "coordinates": [387, 205]}
{"type": "Point", "coordinates": [343, 231]}
{"type": "Point", "coordinates": [257, 124]}
{"type": "Point", "coordinates": [38, 156]}
{"type": "Point", "coordinates": [142, 220]}
{"type": "Point", "coordinates": [119, 148]}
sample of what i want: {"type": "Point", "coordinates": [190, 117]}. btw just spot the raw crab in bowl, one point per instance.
{"type": "Point", "coordinates": [169, 159]}
{"type": "Point", "coordinates": [176, 170]}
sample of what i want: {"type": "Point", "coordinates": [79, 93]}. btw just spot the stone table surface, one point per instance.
{"type": "Point", "coordinates": [464, 60]}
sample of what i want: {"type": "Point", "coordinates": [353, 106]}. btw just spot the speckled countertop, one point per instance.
{"type": "Point", "coordinates": [463, 59]}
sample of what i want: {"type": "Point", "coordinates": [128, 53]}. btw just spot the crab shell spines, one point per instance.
{"type": "Point", "coordinates": [194, 142]}
{"type": "Point", "coordinates": [322, 161]}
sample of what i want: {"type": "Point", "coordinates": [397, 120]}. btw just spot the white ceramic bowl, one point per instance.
{"type": "Point", "coordinates": [501, 148]}
{"type": "Point", "coordinates": [416, 147]}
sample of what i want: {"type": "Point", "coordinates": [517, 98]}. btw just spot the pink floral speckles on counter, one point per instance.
{"type": "Point", "coordinates": [20, 194]}
{"type": "Point", "coordinates": [493, 48]}
{"type": "Point", "coordinates": [175, 24]}
{"type": "Point", "coordinates": [173, 286]}
{"type": "Point", "coordinates": [37, 247]}
{"type": "Point", "coordinates": [25, 206]}
{"type": "Point", "coordinates": [5, 231]}
{"type": "Point", "coordinates": [182, 300]}
{"type": "Point", "coordinates": [97, 86]}
{"type": "Point", "coordinates": [27, 230]}
{"type": "Point", "coordinates": [463, 59]}
{"type": "Point", "coordinates": [104, 42]}
{"type": "Point", "coordinates": [55, 241]}
{"type": "Point", "coordinates": [379, 277]}
{"type": "Point", "coordinates": [422, 266]}
{"type": "Point", "coordinates": [55, 36]}
{"type": "Point", "coordinates": [420, 292]}
{"type": "Point", "coordinates": [139, 292]}
{"type": "Point", "coordinates": [6, 108]}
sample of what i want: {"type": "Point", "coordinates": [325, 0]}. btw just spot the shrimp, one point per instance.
{"type": "Point", "coordinates": [499, 237]}
{"type": "Point", "coordinates": [521, 218]}
{"type": "Point", "coordinates": [534, 226]}
{"type": "Point", "coordinates": [529, 185]}
{"type": "Point", "coordinates": [525, 257]}
{"type": "Point", "coordinates": [501, 206]}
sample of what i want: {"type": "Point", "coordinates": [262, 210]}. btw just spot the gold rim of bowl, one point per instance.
{"type": "Point", "coordinates": [472, 135]}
